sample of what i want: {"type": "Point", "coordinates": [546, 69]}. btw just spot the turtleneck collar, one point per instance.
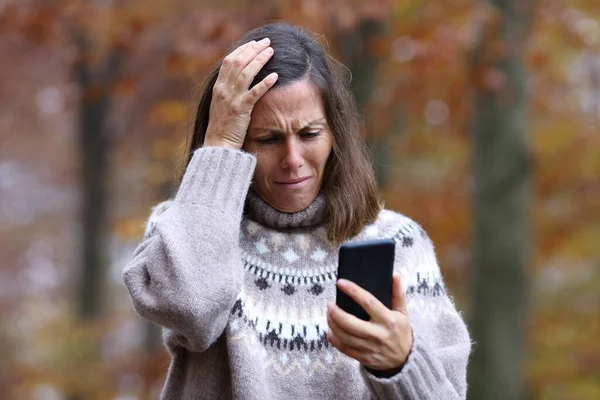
{"type": "Point", "coordinates": [261, 212]}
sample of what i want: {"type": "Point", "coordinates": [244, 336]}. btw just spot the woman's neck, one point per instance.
{"type": "Point", "coordinates": [263, 213]}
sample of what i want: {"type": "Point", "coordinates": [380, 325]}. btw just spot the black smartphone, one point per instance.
{"type": "Point", "coordinates": [369, 264]}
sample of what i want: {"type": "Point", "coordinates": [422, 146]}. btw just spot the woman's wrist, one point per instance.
{"type": "Point", "coordinates": [209, 142]}
{"type": "Point", "coordinates": [386, 373]}
{"type": "Point", "coordinates": [218, 135]}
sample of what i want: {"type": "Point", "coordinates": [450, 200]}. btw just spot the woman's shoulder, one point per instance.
{"type": "Point", "coordinates": [405, 231]}
{"type": "Point", "coordinates": [417, 251]}
{"type": "Point", "coordinates": [391, 217]}
{"type": "Point", "coordinates": [394, 224]}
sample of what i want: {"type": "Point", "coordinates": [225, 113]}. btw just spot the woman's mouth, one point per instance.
{"type": "Point", "coordinates": [293, 183]}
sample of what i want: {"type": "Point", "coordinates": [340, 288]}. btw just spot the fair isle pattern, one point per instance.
{"type": "Point", "coordinates": [425, 285]}
{"type": "Point", "coordinates": [282, 334]}
{"type": "Point", "coordinates": [285, 329]}
{"type": "Point", "coordinates": [328, 361]}
{"type": "Point", "coordinates": [282, 327]}
{"type": "Point", "coordinates": [301, 269]}
{"type": "Point", "coordinates": [422, 282]}
{"type": "Point", "coordinates": [310, 366]}
{"type": "Point", "coordinates": [286, 275]}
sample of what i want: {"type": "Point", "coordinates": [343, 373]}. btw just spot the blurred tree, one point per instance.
{"type": "Point", "coordinates": [501, 202]}
{"type": "Point", "coordinates": [356, 47]}
{"type": "Point", "coordinates": [95, 141]}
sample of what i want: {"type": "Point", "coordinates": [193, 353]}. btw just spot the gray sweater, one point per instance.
{"type": "Point", "coordinates": [241, 292]}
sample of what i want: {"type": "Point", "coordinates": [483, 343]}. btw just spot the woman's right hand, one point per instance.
{"type": "Point", "coordinates": [232, 102]}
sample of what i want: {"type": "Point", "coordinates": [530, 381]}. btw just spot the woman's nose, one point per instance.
{"type": "Point", "coordinates": [292, 159]}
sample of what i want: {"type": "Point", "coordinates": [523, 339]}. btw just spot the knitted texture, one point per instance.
{"type": "Point", "coordinates": [242, 294]}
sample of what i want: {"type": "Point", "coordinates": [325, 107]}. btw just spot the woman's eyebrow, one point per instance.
{"type": "Point", "coordinates": [278, 132]}
{"type": "Point", "coordinates": [274, 132]}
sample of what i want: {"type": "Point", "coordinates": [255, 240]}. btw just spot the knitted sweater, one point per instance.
{"type": "Point", "coordinates": [241, 292]}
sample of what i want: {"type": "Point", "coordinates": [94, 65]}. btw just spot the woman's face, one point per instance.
{"type": "Point", "coordinates": [289, 134]}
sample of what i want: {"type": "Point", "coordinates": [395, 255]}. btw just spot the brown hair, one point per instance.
{"type": "Point", "coordinates": [349, 183]}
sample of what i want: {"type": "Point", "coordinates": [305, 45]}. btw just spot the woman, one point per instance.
{"type": "Point", "coordinates": [239, 268]}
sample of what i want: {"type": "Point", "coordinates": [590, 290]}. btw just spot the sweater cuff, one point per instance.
{"type": "Point", "coordinates": [217, 178]}
{"type": "Point", "coordinates": [420, 374]}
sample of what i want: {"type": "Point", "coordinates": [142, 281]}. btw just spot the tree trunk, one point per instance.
{"type": "Point", "coordinates": [501, 199]}
{"type": "Point", "coordinates": [354, 48]}
{"type": "Point", "coordinates": [94, 147]}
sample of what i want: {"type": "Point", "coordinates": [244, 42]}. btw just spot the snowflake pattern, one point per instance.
{"type": "Point", "coordinates": [290, 255]}
{"type": "Point", "coordinates": [289, 289]}
{"type": "Point", "coordinates": [262, 284]}
{"type": "Point", "coordinates": [261, 246]}
{"type": "Point", "coordinates": [319, 255]}
{"type": "Point", "coordinates": [316, 289]}
{"type": "Point", "coordinates": [407, 241]}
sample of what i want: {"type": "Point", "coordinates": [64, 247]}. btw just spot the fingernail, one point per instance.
{"type": "Point", "coordinates": [265, 40]}
{"type": "Point", "coordinates": [342, 282]}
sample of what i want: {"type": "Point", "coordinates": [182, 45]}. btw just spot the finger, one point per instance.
{"type": "Point", "coordinates": [247, 75]}
{"type": "Point", "coordinates": [398, 295]}
{"type": "Point", "coordinates": [351, 324]}
{"type": "Point", "coordinates": [349, 351]}
{"type": "Point", "coordinates": [240, 49]}
{"type": "Point", "coordinates": [237, 64]}
{"type": "Point", "coordinates": [260, 89]}
{"type": "Point", "coordinates": [346, 338]}
{"type": "Point", "coordinates": [228, 60]}
{"type": "Point", "coordinates": [366, 300]}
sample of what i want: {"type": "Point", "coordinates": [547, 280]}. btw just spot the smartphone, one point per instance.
{"type": "Point", "coordinates": [369, 264]}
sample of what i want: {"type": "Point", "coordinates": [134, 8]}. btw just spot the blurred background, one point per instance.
{"type": "Point", "coordinates": [483, 119]}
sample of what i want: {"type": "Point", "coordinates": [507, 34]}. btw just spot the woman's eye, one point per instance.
{"type": "Point", "coordinates": [267, 140]}
{"type": "Point", "coordinates": [311, 134]}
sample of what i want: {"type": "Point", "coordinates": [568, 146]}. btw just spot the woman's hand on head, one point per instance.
{"type": "Point", "coordinates": [381, 344]}
{"type": "Point", "coordinates": [232, 102]}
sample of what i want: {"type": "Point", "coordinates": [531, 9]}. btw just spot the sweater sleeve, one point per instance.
{"type": "Point", "coordinates": [187, 272]}
{"type": "Point", "coordinates": [436, 367]}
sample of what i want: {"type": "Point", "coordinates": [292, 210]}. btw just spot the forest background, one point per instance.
{"type": "Point", "coordinates": [483, 118]}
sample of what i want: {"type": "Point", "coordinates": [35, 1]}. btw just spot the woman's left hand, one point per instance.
{"type": "Point", "coordinates": [381, 344]}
